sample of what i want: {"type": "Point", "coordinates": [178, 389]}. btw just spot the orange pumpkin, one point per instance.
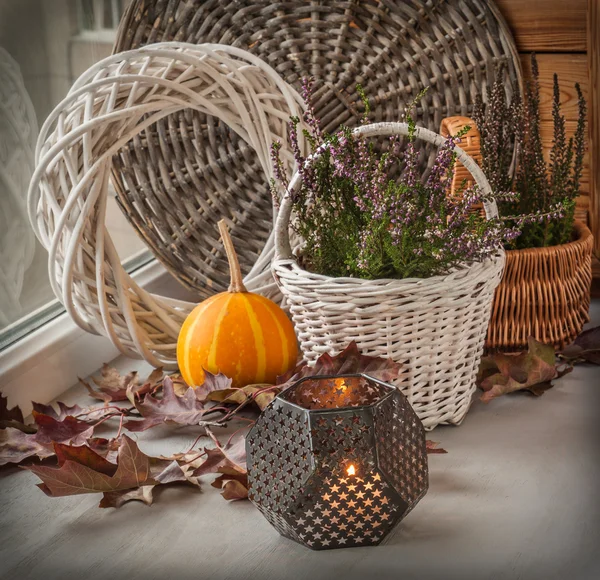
{"type": "Point", "coordinates": [243, 335]}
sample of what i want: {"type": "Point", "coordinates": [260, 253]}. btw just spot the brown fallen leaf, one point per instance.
{"type": "Point", "coordinates": [212, 383]}
{"type": "Point", "coordinates": [69, 430]}
{"type": "Point", "coordinates": [531, 371]}
{"type": "Point", "coordinates": [12, 417]}
{"type": "Point", "coordinates": [6, 414]}
{"type": "Point", "coordinates": [17, 446]}
{"type": "Point", "coordinates": [585, 348]}
{"type": "Point", "coordinates": [184, 410]}
{"type": "Point", "coordinates": [262, 395]}
{"type": "Point", "coordinates": [116, 499]}
{"type": "Point", "coordinates": [82, 470]}
{"type": "Point", "coordinates": [63, 410]}
{"type": "Point", "coordinates": [111, 386]}
{"type": "Point", "coordinates": [229, 461]}
{"type": "Point", "coordinates": [432, 447]}
{"type": "Point", "coordinates": [107, 448]}
{"type": "Point", "coordinates": [234, 487]}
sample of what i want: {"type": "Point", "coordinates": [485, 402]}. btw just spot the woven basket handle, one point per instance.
{"type": "Point", "coordinates": [282, 235]}
{"type": "Point", "coordinates": [470, 144]}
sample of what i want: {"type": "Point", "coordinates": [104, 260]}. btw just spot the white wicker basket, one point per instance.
{"type": "Point", "coordinates": [434, 326]}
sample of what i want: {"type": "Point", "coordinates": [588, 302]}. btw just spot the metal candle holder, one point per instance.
{"type": "Point", "coordinates": [337, 461]}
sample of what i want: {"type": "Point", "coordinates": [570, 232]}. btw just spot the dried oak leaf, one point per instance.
{"type": "Point", "coordinates": [16, 446]}
{"type": "Point", "coordinates": [111, 386]}
{"type": "Point", "coordinates": [230, 462]}
{"type": "Point", "coordinates": [585, 348]}
{"type": "Point", "coordinates": [82, 470]}
{"type": "Point", "coordinates": [349, 361]}
{"type": "Point", "coordinates": [532, 371]}
{"type": "Point", "coordinates": [184, 410]}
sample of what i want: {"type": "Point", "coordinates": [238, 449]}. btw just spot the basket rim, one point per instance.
{"type": "Point", "coordinates": [498, 259]}
{"type": "Point", "coordinates": [584, 237]}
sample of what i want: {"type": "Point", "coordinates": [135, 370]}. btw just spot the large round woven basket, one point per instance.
{"type": "Point", "coordinates": [545, 292]}
{"type": "Point", "coordinates": [394, 49]}
{"type": "Point", "coordinates": [435, 327]}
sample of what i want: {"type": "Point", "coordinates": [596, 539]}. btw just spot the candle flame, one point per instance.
{"type": "Point", "coordinates": [341, 385]}
{"type": "Point", "coordinates": [351, 470]}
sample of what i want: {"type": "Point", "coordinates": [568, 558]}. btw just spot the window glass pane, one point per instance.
{"type": "Point", "coordinates": [44, 46]}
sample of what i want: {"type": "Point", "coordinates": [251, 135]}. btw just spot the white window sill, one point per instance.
{"type": "Point", "coordinates": [48, 361]}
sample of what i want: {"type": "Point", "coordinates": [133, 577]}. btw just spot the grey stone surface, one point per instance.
{"type": "Point", "coordinates": [515, 497]}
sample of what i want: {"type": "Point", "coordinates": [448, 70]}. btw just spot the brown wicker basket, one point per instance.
{"type": "Point", "coordinates": [545, 292]}
{"type": "Point", "coordinates": [187, 171]}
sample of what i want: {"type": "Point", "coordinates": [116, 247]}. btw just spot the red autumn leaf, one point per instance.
{"type": "Point", "coordinates": [82, 470]}
{"type": "Point", "coordinates": [432, 447]}
{"type": "Point", "coordinates": [531, 371]}
{"type": "Point", "coordinates": [184, 410]}
{"type": "Point", "coordinates": [349, 361]}
{"type": "Point", "coordinates": [69, 430]}
{"type": "Point", "coordinates": [585, 348]}
{"type": "Point", "coordinates": [112, 386]}
{"type": "Point", "coordinates": [16, 446]}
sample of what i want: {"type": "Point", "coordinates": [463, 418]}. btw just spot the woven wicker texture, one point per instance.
{"type": "Point", "coordinates": [434, 326]}
{"type": "Point", "coordinates": [545, 292]}
{"type": "Point", "coordinates": [393, 48]}
{"type": "Point", "coordinates": [111, 104]}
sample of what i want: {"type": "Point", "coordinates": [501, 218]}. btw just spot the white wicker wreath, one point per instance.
{"type": "Point", "coordinates": [434, 326]}
{"type": "Point", "coordinates": [109, 104]}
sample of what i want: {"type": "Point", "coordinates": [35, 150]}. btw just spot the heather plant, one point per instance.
{"type": "Point", "coordinates": [541, 189]}
{"type": "Point", "coordinates": [356, 220]}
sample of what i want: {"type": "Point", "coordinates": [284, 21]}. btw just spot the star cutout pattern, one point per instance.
{"type": "Point", "coordinates": [401, 449]}
{"type": "Point", "coordinates": [279, 461]}
{"type": "Point", "coordinates": [340, 523]}
{"type": "Point", "coordinates": [335, 393]}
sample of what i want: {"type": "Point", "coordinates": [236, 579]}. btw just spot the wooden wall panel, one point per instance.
{"type": "Point", "coordinates": [571, 68]}
{"type": "Point", "coordinates": [594, 117]}
{"type": "Point", "coordinates": [547, 25]}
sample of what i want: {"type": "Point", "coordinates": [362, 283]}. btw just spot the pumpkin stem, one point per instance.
{"type": "Point", "coordinates": [237, 284]}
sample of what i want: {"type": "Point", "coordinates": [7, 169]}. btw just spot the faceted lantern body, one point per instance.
{"type": "Point", "coordinates": [337, 461]}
